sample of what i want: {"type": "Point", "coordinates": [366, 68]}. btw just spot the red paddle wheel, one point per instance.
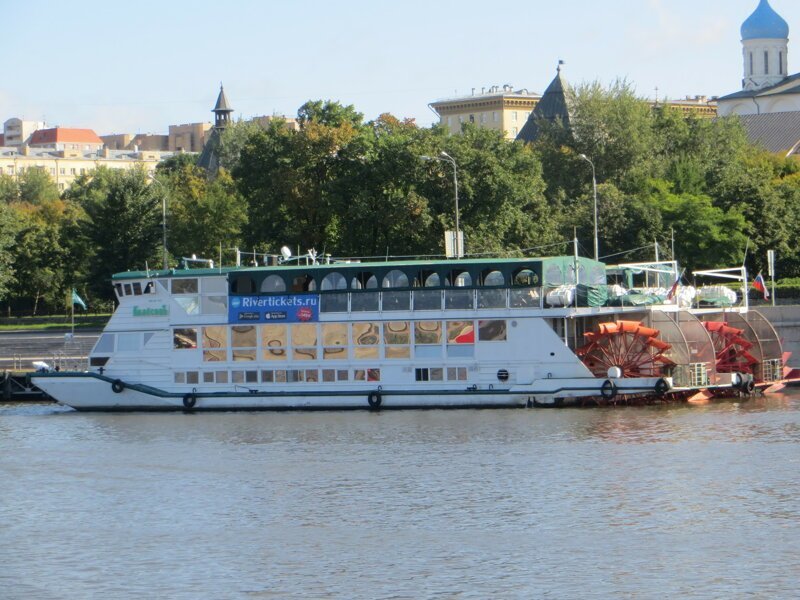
{"type": "Point", "coordinates": [731, 348]}
{"type": "Point", "coordinates": [629, 345]}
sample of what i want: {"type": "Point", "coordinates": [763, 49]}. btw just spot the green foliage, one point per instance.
{"type": "Point", "coordinates": [37, 187]}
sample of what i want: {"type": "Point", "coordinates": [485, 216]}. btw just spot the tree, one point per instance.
{"type": "Point", "coordinates": [37, 187]}
{"type": "Point", "coordinates": [8, 229]}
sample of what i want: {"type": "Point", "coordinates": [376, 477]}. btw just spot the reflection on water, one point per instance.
{"type": "Point", "coordinates": [633, 502]}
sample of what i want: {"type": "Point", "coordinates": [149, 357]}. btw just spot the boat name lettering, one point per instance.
{"type": "Point", "coordinates": [160, 311]}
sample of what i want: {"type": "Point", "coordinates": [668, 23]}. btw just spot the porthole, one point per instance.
{"type": "Point", "coordinates": [502, 375]}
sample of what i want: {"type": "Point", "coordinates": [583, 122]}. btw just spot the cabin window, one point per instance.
{"type": "Point", "coordinates": [179, 377]}
{"type": "Point", "coordinates": [331, 375]}
{"type": "Point", "coordinates": [366, 375]}
{"type": "Point", "coordinates": [274, 342]}
{"type": "Point", "coordinates": [460, 339]}
{"type": "Point", "coordinates": [427, 299]}
{"type": "Point", "coordinates": [304, 342]}
{"type": "Point", "coordinates": [395, 279]}
{"type": "Point", "coordinates": [118, 289]}
{"type": "Point", "coordinates": [333, 303]}
{"type": "Point", "coordinates": [243, 284]}
{"type": "Point", "coordinates": [527, 278]}
{"type": "Point", "coordinates": [364, 281]}
{"type": "Point", "coordinates": [458, 299]}
{"type": "Point", "coordinates": [366, 340]}
{"type": "Point", "coordinates": [492, 331]}
{"type": "Point", "coordinates": [243, 342]}
{"type": "Point", "coordinates": [214, 285]}
{"type": "Point", "coordinates": [397, 339]}
{"type": "Point", "coordinates": [334, 341]}
{"type": "Point", "coordinates": [364, 302]}
{"type": "Point", "coordinates": [396, 301]}
{"type": "Point", "coordinates": [128, 342]}
{"type": "Point", "coordinates": [214, 305]}
{"type": "Point", "coordinates": [184, 339]}
{"type": "Point", "coordinates": [208, 376]}
{"type": "Point", "coordinates": [190, 304]}
{"type": "Point", "coordinates": [150, 288]}
{"type": "Point", "coordinates": [427, 333]}
{"type": "Point", "coordinates": [492, 298]}
{"type": "Point", "coordinates": [428, 279]}
{"type": "Point", "coordinates": [215, 342]}
{"type": "Point", "coordinates": [459, 279]}
{"type": "Point", "coordinates": [312, 375]}
{"type": "Point", "coordinates": [105, 344]}
{"type": "Point", "coordinates": [524, 298]}
{"type": "Point", "coordinates": [333, 281]}
{"type": "Point", "coordinates": [273, 284]}
{"type": "Point", "coordinates": [137, 288]}
{"type": "Point", "coordinates": [303, 283]}
{"type": "Point", "coordinates": [184, 286]}
{"type": "Point", "coordinates": [493, 278]}
{"type": "Point", "coordinates": [456, 373]}
{"type": "Point", "coordinates": [128, 289]}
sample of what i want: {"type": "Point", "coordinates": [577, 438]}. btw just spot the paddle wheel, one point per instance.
{"type": "Point", "coordinates": [629, 345]}
{"type": "Point", "coordinates": [731, 348]}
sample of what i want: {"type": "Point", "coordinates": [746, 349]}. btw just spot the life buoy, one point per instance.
{"type": "Point", "coordinates": [117, 386]}
{"type": "Point", "coordinates": [608, 390]}
{"type": "Point", "coordinates": [189, 400]}
{"type": "Point", "coordinates": [374, 399]}
{"type": "Point", "coordinates": [662, 386]}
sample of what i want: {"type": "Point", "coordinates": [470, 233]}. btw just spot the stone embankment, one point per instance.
{"type": "Point", "coordinates": [20, 349]}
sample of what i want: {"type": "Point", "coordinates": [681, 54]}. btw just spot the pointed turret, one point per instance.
{"type": "Point", "coordinates": [209, 157]}
{"type": "Point", "coordinates": [222, 110]}
{"type": "Point", "coordinates": [554, 107]}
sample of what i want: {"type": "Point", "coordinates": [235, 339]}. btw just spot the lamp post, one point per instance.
{"type": "Point", "coordinates": [163, 219]}
{"type": "Point", "coordinates": [594, 191]}
{"type": "Point", "coordinates": [445, 157]}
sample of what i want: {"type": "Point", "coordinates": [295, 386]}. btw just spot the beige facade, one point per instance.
{"type": "Point", "coordinates": [140, 141]}
{"type": "Point", "coordinates": [699, 106]}
{"type": "Point", "coordinates": [64, 166]}
{"type": "Point", "coordinates": [16, 131]}
{"type": "Point", "coordinates": [265, 120]}
{"type": "Point", "coordinates": [500, 108]}
{"type": "Point", "coordinates": [188, 137]}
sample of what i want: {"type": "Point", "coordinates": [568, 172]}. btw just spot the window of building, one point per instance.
{"type": "Point", "coordinates": [766, 62]}
{"type": "Point", "coordinates": [514, 116]}
{"type": "Point", "coordinates": [483, 117]}
{"type": "Point", "coordinates": [494, 116]}
{"type": "Point", "coordinates": [751, 63]}
{"type": "Point", "coordinates": [62, 171]}
{"type": "Point", "coordinates": [514, 131]}
{"type": "Point", "coordinates": [73, 171]}
{"type": "Point", "coordinates": [472, 118]}
{"type": "Point", "coordinates": [780, 63]}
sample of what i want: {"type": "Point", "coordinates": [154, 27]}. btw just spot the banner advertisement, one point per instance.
{"type": "Point", "coordinates": [298, 308]}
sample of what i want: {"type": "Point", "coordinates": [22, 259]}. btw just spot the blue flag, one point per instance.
{"type": "Point", "coordinates": [77, 300]}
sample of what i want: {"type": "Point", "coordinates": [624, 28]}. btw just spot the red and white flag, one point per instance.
{"type": "Point", "coordinates": [761, 286]}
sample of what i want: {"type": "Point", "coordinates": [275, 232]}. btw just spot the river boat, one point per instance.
{"type": "Point", "coordinates": [471, 332]}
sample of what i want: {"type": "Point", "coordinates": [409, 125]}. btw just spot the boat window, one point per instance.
{"type": "Point", "coordinates": [523, 298]}
{"type": "Point", "coordinates": [525, 278]}
{"type": "Point", "coordinates": [150, 288]}
{"type": "Point", "coordinates": [396, 301]}
{"type": "Point", "coordinates": [460, 332]}
{"type": "Point", "coordinates": [184, 339]}
{"type": "Point", "coordinates": [492, 331]}
{"type": "Point", "coordinates": [427, 278]}
{"type": "Point", "coordinates": [273, 284]}
{"type": "Point", "coordinates": [208, 376]}
{"type": "Point", "coordinates": [274, 341]}
{"type": "Point", "coordinates": [128, 290]}
{"type": "Point", "coordinates": [459, 278]}
{"type": "Point", "coordinates": [364, 281]}
{"type": "Point", "coordinates": [137, 288]}
{"type": "Point", "coordinates": [215, 341]}
{"type": "Point", "coordinates": [397, 337]}
{"type": "Point", "coordinates": [243, 284]}
{"type": "Point", "coordinates": [395, 279]}
{"type": "Point", "coordinates": [492, 298]}
{"type": "Point", "coordinates": [554, 275]}
{"type": "Point", "coordinates": [333, 281]}
{"type": "Point", "coordinates": [427, 300]}
{"type": "Point", "coordinates": [366, 340]}
{"type": "Point", "coordinates": [303, 283]}
{"type": "Point", "coordinates": [366, 375]}
{"type": "Point", "coordinates": [221, 376]}
{"type": "Point", "coordinates": [105, 344]}
{"type": "Point", "coordinates": [304, 342]}
{"type": "Point", "coordinates": [192, 377]}
{"type": "Point", "coordinates": [243, 342]}
{"type": "Point", "coordinates": [493, 278]}
{"type": "Point", "coordinates": [214, 285]}
{"type": "Point", "coordinates": [190, 304]}
{"type": "Point", "coordinates": [118, 289]}
{"type": "Point", "coordinates": [458, 299]}
{"type": "Point", "coordinates": [332, 303]}
{"type": "Point", "coordinates": [334, 341]}
{"type": "Point", "coordinates": [184, 286]}
{"type": "Point", "coordinates": [214, 305]}
{"type": "Point", "coordinates": [180, 377]}
{"type": "Point", "coordinates": [456, 373]}
{"type": "Point", "coordinates": [428, 332]}
{"type": "Point", "coordinates": [364, 302]}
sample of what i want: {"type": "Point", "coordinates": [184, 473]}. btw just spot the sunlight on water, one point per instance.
{"type": "Point", "coordinates": [636, 502]}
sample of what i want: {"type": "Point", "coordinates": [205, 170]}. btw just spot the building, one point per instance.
{"type": "Point", "coordinates": [555, 107]}
{"type": "Point", "coordinates": [65, 165]}
{"type": "Point", "coordinates": [767, 86]}
{"type": "Point", "coordinates": [17, 131]}
{"type": "Point", "coordinates": [188, 137]}
{"type": "Point", "coordinates": [699, 106]}
{"type": "Point", "coordinates": [500, 108]}
{"type": "Point", "coordinates": [209, 158]}
{"type": "Point", "coordinates": [64, 138]}
{"type": "Point", "coordinates": [139, 141]}
{"type": "Point", "coordinates": [265, 120]}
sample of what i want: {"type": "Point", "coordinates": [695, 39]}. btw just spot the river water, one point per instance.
{"type": "Point", "coordinates": [655, 502]}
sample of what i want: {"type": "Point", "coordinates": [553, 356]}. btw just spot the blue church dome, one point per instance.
{"type": "Point", "coordinates": [765, 23]}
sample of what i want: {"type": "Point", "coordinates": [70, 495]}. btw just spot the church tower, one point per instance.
{"type": "Point", "coordinates": [765, 41]}
{"type": "Point", "coordinates": [222, 110]}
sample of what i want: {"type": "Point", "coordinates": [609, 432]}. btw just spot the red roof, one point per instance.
{"type": "Point", "coordinates": [64, 134]}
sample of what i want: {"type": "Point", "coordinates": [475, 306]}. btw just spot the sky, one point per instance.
{"type": "Point", "coordinates": [138, 67]}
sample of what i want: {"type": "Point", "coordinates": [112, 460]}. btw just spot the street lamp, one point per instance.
{"type": "Point", "coordinates": [445, 157]}
{"type": "Point", "coordinates": [163, 218]}
{"type": "Point", "coordinates": [594, 190]}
